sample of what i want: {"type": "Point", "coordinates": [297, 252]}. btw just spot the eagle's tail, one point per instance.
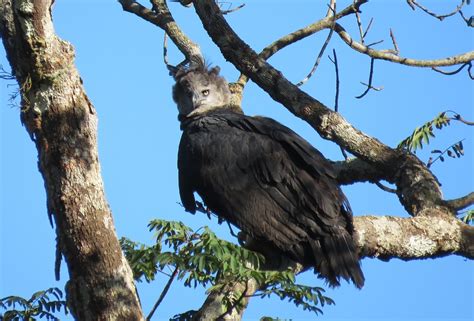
{"type": "Point", "coordinates": [338, 258]}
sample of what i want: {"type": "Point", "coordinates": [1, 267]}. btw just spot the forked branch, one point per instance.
{"type": "Point", "coordinates": [390, 56]}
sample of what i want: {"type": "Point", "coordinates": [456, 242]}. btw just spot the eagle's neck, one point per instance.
{"type": "Point", "coordinates": [200, 113]}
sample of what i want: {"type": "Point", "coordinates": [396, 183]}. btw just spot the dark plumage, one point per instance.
{"type": "Point", "coordinates": [262, 177]}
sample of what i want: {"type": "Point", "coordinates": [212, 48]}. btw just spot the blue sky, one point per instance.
{"type": "Point", "coordinates": [119, 57]}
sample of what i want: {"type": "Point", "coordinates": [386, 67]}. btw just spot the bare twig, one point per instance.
{"type": "Point", "coordinates": [363, 33]}
{"type": "Point", "coordinates": [224, 12]}
{"type": "Point", "coordinates": [359, 24]}
{"type": "Point", "coordinates": [368, 28]}
{"type": "Point", "coordinates": [390, 56]}
{"type": "Point", "coordinates": [323, 48]}
{"type": "Point", "coordinates": [334, 61]}
{"type": "Point", "coordinates": [394, 41]}
{"type": "Point", "coordinates": [5, 74]}
{"type": "Point", "coordinates": [163, 293]}
{"type": "Point", "coordinates": [469, 22]}
{"type": "Point", "coordinates": [369, 85]}
{"type": "Point", "coordinates": [458, 117]}
{"type": "Point", "coordinates": [410, 3]}
{"type": "Point", "coordinates": [462, 202]}
{"type": "Point", "coordinates": [336, 99]}
{"type": "Point", "coordinates": [232, 230]}
{"type": "Point", "coordinates": [413, 3]}
{"type": "Point", "coordinates": [385, 188]}
{"type": "Point", "coordinates": [374, 43]}
{"type": "Point", "coordinates": [331, 9]}
{"type": "Point", "coordinates": [469, 64]}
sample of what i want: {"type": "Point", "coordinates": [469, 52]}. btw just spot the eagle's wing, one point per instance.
{"type": "Point", "coordinates": [272, 184]}
{"type": "Point", "coordinates": [186, 176]}
{"type": "Point", "coordinates": [296, 169]}
{"type": "Point", "coordinates": [301, 182]}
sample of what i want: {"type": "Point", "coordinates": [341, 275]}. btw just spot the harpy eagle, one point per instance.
{"type": "Point", "coordinates": [262, 177]}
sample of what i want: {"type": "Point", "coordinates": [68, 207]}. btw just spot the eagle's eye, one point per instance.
{"type": "Point", "coordinates": [205, 92]}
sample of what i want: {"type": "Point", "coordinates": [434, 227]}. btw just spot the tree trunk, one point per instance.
{"type": "Point", "coordinates": [62, 122]}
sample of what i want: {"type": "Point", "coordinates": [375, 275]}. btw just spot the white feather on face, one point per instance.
{"type": "Point", "coordinates": [199, 90]}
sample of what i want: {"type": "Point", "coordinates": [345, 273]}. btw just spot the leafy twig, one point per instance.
{"type": "Point", "coordinates": [455, 151]}
{"type": "Point", "coordinates": [423, 133]}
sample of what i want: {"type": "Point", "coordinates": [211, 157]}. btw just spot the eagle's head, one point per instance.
{"type": "Point", "coordinates": [199, 90]}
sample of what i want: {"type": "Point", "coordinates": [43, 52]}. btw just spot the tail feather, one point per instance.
{"type": "Point", "coordinates": [336, 257]}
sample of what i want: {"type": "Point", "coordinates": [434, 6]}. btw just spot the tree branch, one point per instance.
{"type": "Point", "coordinates": [439, 234]}
{"type": "Point", "coordinates": [212, 308]}
{"type": "Point", "coordinates": [354, 170]}
{"type": "Point", "coordinates": [304, 32]}
{"type": "Point", "coordinates": [462, 202]}
{"type": "Point", "coordinates": [388, 55]}
{"type": "Point", "coordinates": [332, 8]}
{"type": "Point", "coordinates": [441, 17]}
{"type": "Point", "coordinates": [309, 30]}
{"type": "Point", "coordinates": [369, 85]}
{"type": "Point", "coordinates": [163, 293]}
{"type": "Point", "coordinates": [163, 19]}
{"type": "Point", "coordinates": [450, 73]}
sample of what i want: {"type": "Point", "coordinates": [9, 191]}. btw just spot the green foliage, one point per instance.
{"type": "Point", "coordinates": [423, 134]}
{"type": "Point", "coordinates": [39, 305]}
{"type": "Point", "coordinates": [456, 150]}
{"type": "Point", "coordinates": [307, 297]}
{"type": "Point", "coordinates": [468, 217]}
{"type": "Point", "coordinates": [199, 257]}
{"type": "Point", "coordinates": [203, 259]}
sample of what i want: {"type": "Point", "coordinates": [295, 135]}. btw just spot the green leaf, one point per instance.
{"type": "Point", "coordinates": [423, 133]}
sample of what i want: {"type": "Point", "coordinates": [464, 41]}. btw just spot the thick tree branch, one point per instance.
{"type": "Point", "coordinates": [388, 55]}
{"type": "Point", "coordinates": [63, 123]}
{"type": "Point", "coordinates": [462, 202]}
{"type": "Point", "coordinates": [426, 236]}
{"type": "Point", "coordinates": [354, 170]}
{"type": "Point", "coordinates": [212, 308]}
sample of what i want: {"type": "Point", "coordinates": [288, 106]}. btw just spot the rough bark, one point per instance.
{"type": "Point", "coordinates": [425, 236]}
{"type": "Point", "coordinates": [216, 311]}
{"type": "Point", "coordinates": [62, 122]}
